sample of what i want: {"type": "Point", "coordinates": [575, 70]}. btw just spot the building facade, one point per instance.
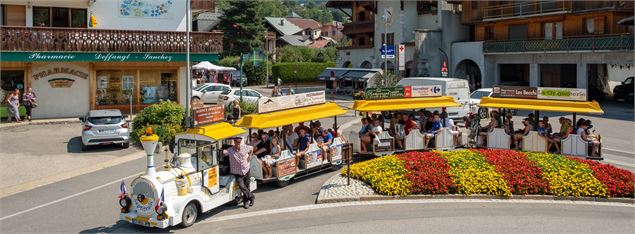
{"type": "Point", "coordinates": [577, 44]}
{"type": "Point", "coordinates": [86, 55]}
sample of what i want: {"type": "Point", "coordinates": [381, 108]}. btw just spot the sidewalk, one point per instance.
{"type": "Point", "coordinates": [4, 125]}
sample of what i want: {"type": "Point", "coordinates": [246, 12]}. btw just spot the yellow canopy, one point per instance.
{"type": "Point", "coordinates": [591, 107]}
{"type": "Point", "coordinates": [404, 104]}
{"type": "Point", "coordinates": [286, 117]}
{"type": "Point", "coordinates": [217, 131]}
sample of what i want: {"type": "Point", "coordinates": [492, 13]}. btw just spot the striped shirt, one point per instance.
{"type": "Point", "coordinates": [239, 159]}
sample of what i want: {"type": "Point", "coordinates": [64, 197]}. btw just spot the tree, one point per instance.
{"type": "Point", "coordinates": [272, 8]}
{"type": "Point", "coordinates": [242, 31]}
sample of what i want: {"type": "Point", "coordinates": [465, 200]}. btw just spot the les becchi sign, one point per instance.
{"type": "Point", "coordinates": [566, 94]}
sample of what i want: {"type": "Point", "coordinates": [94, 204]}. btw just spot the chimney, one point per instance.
{"type": "Point", "coordinates": [282, 22]}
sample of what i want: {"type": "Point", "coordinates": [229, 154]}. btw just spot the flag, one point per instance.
{"type": "Point", "coordinates": [161, 198]}
{"type": "Point", "coordinates": [122, 190]}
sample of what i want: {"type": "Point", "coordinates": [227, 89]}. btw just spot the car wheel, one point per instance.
{"type": "Point", "coordinates": [85, 147]}
{"type": "Point", "coordinates": [125, 145]}
{"type": "Point", "coordinates": [196, 99]}
{"type": "Point", "coordinates": [190, 213]}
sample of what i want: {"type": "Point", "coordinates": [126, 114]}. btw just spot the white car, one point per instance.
{"type": "Point", "coordinates": [475, 98]}
{"type": "Point", "coordinates": [210, 92]}
{"type": "Point", "coordinates": [249, 95]}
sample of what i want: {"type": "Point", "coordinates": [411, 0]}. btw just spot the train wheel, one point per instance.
{"type": "Point", "coordinates": [282, 183]}
{"type": "Point", "coordinates": [190, 213]}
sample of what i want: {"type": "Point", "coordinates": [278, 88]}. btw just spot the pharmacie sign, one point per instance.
{"type": "Point", "coordinates": [403, 92]}
{"type": "Point", "coordinates": [103, 57]}
{"type": "Point", "coordinates": [547, 93]}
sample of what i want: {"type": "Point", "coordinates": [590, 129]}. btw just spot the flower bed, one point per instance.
{"type": "Point", "coordinates": [428, 172]}
{"type": "Point", "coordinates": [522, 175]}
{"type": "Point", "coordinates": [385, 175]}
{"type": "Point", "coordinates": [492, 172]}
{"type": "Point", "coordinates": [472, 174]}
{"type": "Point", "coordinates": [619, 183]}
{"type": "Point", "coordinates": [567, 177]}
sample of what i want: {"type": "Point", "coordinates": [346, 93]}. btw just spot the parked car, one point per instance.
{"type": "Point", "coordinates": [237, 78]}
{"type": "Point", "coordinates": [209, 94]}
{"type": "Point", "coordinates": [475, 98]}
{"type": "Point", "coordinates": [105, 127]}
{"type": "Point", "coordinates": [249, 95]}
{"type": "Point", "coordinates": [625, 90]}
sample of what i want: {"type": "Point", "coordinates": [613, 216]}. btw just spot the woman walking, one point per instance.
{"type": "Point", "coordinates": [29, 100]}
{"type": "Point", "coordinates": [14, 103]}
{"type": "Point", "coordinates": [235, 111]}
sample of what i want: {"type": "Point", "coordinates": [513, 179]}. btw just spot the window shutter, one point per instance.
{"type": "Point", "coordinates": [599, 25]}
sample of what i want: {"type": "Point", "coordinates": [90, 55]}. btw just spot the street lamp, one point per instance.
{"type": "Point", "coordinates": [188, 78]}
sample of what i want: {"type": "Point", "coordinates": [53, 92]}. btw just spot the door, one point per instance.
{"type": "Point", "coordinates": [207, 163]}
{"type": "Point", "coordinates": [252, 96]}
{"type": "Point", "coordinates": [212, 92]}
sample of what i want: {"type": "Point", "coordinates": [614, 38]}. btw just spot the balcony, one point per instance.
{"type": "Point", "coordinates": [572, 44]}
{"type": "Point", "coordinates": [355, 47]}
{"type": "Point", "coordinates": [524, 9]}
{"type": "Point", "coordinates": [358, 27]}
{"type": "Point", "coordinates": [105, 40]}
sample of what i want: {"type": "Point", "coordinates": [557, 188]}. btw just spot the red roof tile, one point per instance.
{"type": "Point", "coordinates": [305, 23]}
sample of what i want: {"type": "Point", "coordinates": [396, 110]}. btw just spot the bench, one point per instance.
{"type": "Point", "coordinates": [575, 145]}
{"type": "Point", "coordinates": [533, 142]}
{"type": "Point", "coordinates": [386, 145]}
{"type": "Point", "coordinates": [336, 150]}
{"type": "Point", "coordinates": [354, 138]}
{"type": "Point", "coordinates": [444, 139]}
{"type": "Point", "coordinates": [498, 139]}
{"type": "Point", "coordinates": [414, 140]}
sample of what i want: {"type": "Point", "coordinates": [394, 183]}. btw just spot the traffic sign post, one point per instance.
{"type": "Point", "coordinates": [402, 57]}
{"type": "Point", "coordinates": [387, 51]}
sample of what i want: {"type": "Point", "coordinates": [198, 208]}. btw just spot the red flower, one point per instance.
{"type": "Point", "coordinates": [618, 182]}
{"type": "Point", "coordinates": [428, 172]}
{"type": "Point", "coordinates": [523, 176]}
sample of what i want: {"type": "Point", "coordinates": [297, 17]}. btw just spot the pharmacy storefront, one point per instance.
{"type": "Point", "coordinates": [69, 84]}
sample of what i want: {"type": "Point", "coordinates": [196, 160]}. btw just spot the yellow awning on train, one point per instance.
{"type": "Point", "coordinates": [217, 131]}
{"type": "Point", "coordinates": [404, 104]}
{"type": "Point", "coordinates": [292, 116]}
{"type": "Point", "coordinates": [591, 107]}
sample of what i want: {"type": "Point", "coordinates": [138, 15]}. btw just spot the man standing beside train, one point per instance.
{"type": "Point", "coordinates": [239, 164]}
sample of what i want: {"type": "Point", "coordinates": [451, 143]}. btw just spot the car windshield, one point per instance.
{"type": "Point", "coordinates": [105, 120]}
{"type": "Point", "coordinates": [479, 94]}
{"type": "Point", "coordinates": [199, 88]}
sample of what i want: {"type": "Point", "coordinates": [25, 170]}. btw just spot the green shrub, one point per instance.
{"type": "Point", "coordinates": [307, 72]}
{"type": "Point", "coordinates": [166, 119]}
{"type": "Point", "coordinates": [291, 54]}
{"type": "Point", "coordinates": [248, 107]}
{"type": "Point", "coordinates": [229, 61]}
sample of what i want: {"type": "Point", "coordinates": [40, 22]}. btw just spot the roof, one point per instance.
{"type": "Point", "coordinates": [305, 23]}
{"type": "Point", "coordinates": [404, 104]}
{"type": "Point", "coordinates": [293, 15]}
{"type": "Point", "coordinates": [359, 75]}
{"type": "Point", "coordinates": [348, 73]}
{"type": "Point", "coordinates": [293, 40]}
{"type": "Point", "coordinates": [287, 28]}
{"type": "Point", "coordinates": [292, 116]}
{"type": "Point", "coordinates": [627, 21]}
{"type": "Point", "coordinates": [209, 66]}
{"type": "Point", "coordinates": [320, 43]}
{"type": "Point", "coordinates": [217, 131]}
{"type": "Point", "coordinates": [591, 107]}
{"type": "Point", "coordinates": [105, 113]}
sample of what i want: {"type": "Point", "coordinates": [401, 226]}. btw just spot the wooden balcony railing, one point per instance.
{"type": "Point", "coordinates": [358, 27]}
{"type": "Point", "coordinates": [106, 40]}
{"type": "Point", "coordinates": [588, 43]}
{"type": "Point", "coordinates": [520, 9]}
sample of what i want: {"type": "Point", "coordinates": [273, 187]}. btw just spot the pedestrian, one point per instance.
{"type": "Point", "coordinates": [14, 104]}
{"type": "Point", "coordinates": [235, 111]}
{"type": "Point", "coordinates": [29, 100]}
{"type": "Point", "coordinates": [239, 164]}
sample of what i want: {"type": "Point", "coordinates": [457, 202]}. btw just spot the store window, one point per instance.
{"type": "Point", "coordinates": [114, 87]}
{"type": "Point", "coordinates": [41, 17]}
{"type": "Point", "coordinates": [157, 85]}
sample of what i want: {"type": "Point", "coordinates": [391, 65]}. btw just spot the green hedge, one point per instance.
{"type": "Point", "coordinates": [307, 72]}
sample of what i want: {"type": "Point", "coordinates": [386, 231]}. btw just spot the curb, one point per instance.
{"type": "Point", "coordinates": [9, 126]}
{"type": "Point", "coordinates": [475, 197]}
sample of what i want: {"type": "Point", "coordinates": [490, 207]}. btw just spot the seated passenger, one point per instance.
{"type": "Point", "coordinates": [303, 146]}
{"type": "Point", "coordinates": [548, 127]}
{"type": "Point", "coordinates": [271, 159]}
{"type": "Point", "coordinates": [409, 123]}
{"type": "Point", "coordinates": [327, 140]}
{"type": "Point", "coordinates": [518, 137]}
{"type": "Point", "coordinates": [263, 147]}
{"type": "Point", "coordinates": [542, 131]}
{"type": "Point", "coordinates": [291, 138]}
{"type": "Point", "coordinates": [436, 128]}
{"type": "Point", "coordinates": [364, 134]}
{"type": "Point", "coordinates": [593, 142]}
{"type": "Point", "coordinates": [493, 123]}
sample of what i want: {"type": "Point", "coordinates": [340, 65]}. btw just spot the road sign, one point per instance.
{"type": "Point", "coordinates": [402, 57]}
{"type": "Point", "coordinates": [387, 51]}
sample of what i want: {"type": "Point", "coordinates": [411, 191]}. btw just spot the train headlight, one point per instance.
{"type": "Point", "coordinates": [161, 209]}
{"type": "Point", "coordinates": [125, 203]}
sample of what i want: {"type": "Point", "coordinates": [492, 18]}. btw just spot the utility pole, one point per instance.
{"type": "Point", "coordinates": [188, 79]}
{"type": "Point", "coordinates": [266, 47]}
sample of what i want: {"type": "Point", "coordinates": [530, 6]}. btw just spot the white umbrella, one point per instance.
{"type": "Point", "coordinates": [209, 66]}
